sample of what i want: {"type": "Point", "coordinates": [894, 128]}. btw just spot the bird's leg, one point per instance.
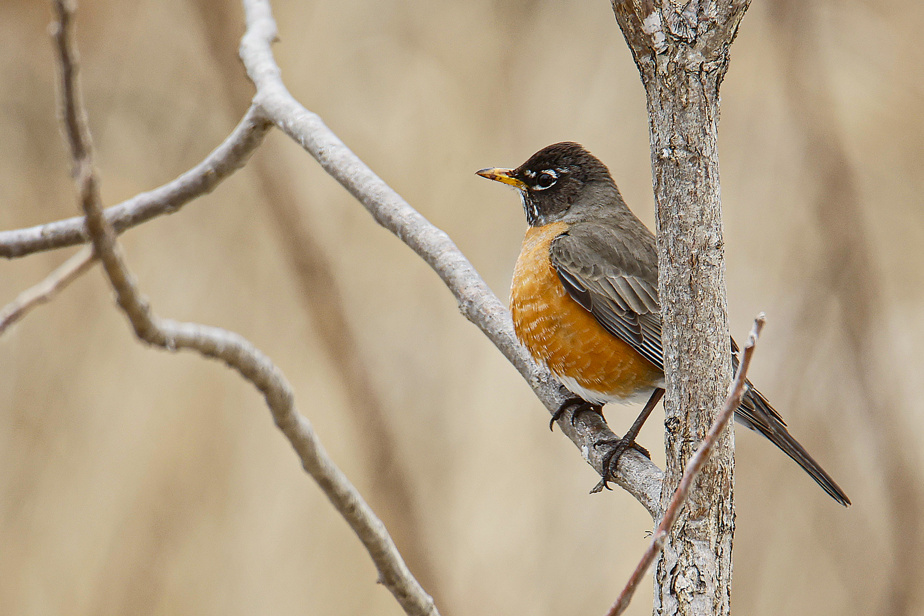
{"type": "Point", "coordinates": [611, 459]}
{"type": "Point", "coordinates": [580, 405]}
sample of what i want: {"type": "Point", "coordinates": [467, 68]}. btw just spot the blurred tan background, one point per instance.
{"type": "Point", "coordinates": [137, 482]}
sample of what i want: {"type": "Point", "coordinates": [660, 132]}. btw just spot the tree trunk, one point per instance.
{"type": "Point", "coordinates": [682, 54]}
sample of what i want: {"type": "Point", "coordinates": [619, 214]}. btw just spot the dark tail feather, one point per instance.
{"type": "Point", "coordinates": [757, 414]}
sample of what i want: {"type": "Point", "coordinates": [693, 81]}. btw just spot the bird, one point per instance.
{"type": "Point", "coordinates": [584, 298]}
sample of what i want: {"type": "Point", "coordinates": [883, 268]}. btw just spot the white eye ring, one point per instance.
{"type": "Point", "coordinates": [546, 175]}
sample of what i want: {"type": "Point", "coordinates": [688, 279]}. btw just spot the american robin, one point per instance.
{"type": "Point", "coordinates": [584, 296]}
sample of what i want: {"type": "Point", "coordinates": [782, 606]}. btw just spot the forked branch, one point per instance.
{"type": "Point", "coordinates": [223, 345]}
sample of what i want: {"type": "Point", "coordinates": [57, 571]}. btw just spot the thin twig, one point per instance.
{"type": "Point", "coordinates": [226, 346]}
{"type": "Point", "coordinates": [202, 179]}
{"type": "Point", "coordinates": [692, 469]}
{"type": "Point", "coordinates": [46, 290]}
{"type": "Point", "coordinates": [636, 474]}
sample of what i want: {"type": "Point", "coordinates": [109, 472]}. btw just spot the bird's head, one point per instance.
{"type": "Point", "coordinates": [553, 180]}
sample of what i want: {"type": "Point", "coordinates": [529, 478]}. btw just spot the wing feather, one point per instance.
{"type": "Point", "coordinates": [620, 295]}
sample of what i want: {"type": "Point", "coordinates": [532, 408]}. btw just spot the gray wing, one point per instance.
{"type": "Point", "coordinates": [607, 277]}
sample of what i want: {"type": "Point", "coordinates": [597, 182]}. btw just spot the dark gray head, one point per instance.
{"type": "Point", "coordinates": [554, 179]}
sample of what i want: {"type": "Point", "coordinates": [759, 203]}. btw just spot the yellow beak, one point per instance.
{"type": "Point", "coordinates": [502, 175]}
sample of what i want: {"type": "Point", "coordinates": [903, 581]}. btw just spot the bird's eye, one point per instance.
{"type": "Point", "coordinates": [546, 179]}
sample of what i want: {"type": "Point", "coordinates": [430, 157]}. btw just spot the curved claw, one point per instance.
{"type": "Point", "coordinates": [581, 406]}
{"type": "Point", "coordinates": [611, 459]}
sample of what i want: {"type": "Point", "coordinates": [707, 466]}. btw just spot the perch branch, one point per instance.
{"type": "Point", "coordinates": [226, 346]}
{"type": "Point", "coordinates": [694, 466]}
{"type": "Point", "coordinates": [636, 474]}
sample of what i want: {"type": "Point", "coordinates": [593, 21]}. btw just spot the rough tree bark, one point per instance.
{"type": "Point", "coordinates": [681, 50]}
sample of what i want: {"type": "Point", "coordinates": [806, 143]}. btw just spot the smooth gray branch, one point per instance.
{"type": "Point", "coordinates": [694, 466]}
{"type": "Point", "coordinates": [223, 161]}
{"type": "Point", "coordinates": [226, 346]}
{"type": "Point", "coordinates": [636, 474]}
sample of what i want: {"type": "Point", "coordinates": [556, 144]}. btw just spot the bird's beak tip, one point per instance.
{"type": "Point", "coordinates": [501, 175]}
{"type": "Point", "coordinates": [489, 173]}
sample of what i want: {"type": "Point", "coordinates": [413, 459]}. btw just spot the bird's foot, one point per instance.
{"type": "Point", "coordinates": [580, 405]}
{"type": "Point", "coordinates": [611, 459]}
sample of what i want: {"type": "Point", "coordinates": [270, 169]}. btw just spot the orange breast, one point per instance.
{"type": "Point", "coordinates": [564, 336]}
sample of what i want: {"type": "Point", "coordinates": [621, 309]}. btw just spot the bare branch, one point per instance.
{"type": "Point", "coordinates": [226, 346]}
{"type": "Point", "coordinates": [202, 179]}
{"type": "Point", "coordinates": [636, 474]}
{"type": "Point", "coordinates": [48, 288]}
{"type": "Point", "coordinates": [694, 466]}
